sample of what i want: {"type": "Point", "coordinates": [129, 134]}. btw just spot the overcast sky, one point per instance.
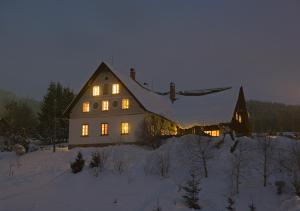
{"type": "Point", "coordinates": [195, 43]}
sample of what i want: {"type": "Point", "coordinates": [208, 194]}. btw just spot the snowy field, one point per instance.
{"type": "Point", "coordinates": [42, 180]}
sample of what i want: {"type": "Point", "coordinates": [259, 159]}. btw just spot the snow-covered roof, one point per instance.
{"type": "Point", "coordinates": [204, 110]}
{"type": "Point", "coordinates": [186, 111]}
{"type": "Point", "coordinates": [151, 101]}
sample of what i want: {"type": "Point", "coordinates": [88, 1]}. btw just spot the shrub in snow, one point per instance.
{"type": "Point", "coordinates": [239, 163]}
{"type": "Point", "coordinates": [290, 162]}
{"type": "Point", "coordinates": [157, 207]}
{"type": "Point", "coordinates": [265, 150]}
{"type": "Point", "coordinates": [78, 164]}
{"type": "Point", "coordinates": [192, 190]}
{"type": "Point", "coordinates": [231, 204]}
{"type": "Point", "coordinates": [200, 150]}
{"type": "Point", "coordinates": [19, 149]}
{"type": "Point", "coordinates": [98, 161]}
{"type": "Point", "coordinates": [280, 185]}
{"type": "Point", "coordinates": [119, 165]}
{"type": "Point", "coordinates": [158, 164]}
{"type": "Point", "coordinates": [252, 207]}
{"type": "Point", "coordinates": [95, 162]}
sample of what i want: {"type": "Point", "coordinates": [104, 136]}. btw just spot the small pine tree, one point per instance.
{"type": "Point", "coordinates": [78, 164]}
{"type": "Point", "coordinates": [192, 191]}
{"type": "Point", "coordinates": [230, 204]}
{"type": "Point", "coordinates": [95, 162]}
{"type": "Point", "coordinates": [252, 207]}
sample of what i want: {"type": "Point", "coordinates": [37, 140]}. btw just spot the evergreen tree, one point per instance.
{"type": "Point", "coordinates": [52, 122]}
{"type": "Point", "coordinates": [20, 119]}
{"type": "Point", "coordinates": [191, 193]}
{"type": "Point", "coordinates": [78, 164]}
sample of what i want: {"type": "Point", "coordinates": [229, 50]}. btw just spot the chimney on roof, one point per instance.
{"type": "Point", "coordinates": [172, 92]}
{"type": "Point", "coordinates": [132, 73]}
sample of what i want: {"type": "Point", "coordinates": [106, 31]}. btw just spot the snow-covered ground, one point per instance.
{"type": "Point", "coordinates": [42, 180]}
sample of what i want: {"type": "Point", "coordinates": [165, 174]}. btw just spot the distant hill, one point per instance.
{"type": "Point", "coordinates": [274, 117]}
{"type": "Point", "coordinates": [6, 97]}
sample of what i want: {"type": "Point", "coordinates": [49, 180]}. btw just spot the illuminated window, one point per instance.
{"type": "Point", "coordinates": [104, 129]}
{"type": "Point", "coordinates": [214, 133]}
{"type": "Point", "coordinates": [105, 105]}
{"type": "Point", "coordinates": [124, 128]}
{"type": "Point", "coordinates": [85, 130]}
{"type": "Point", "coordinates": [240, 119]}
{"type": "Point", "coordinates": [125, 104]}
{"type": "Point", "coordinates": [96, 90]}
{"type": "Point", "coordinates": [86, 107]}
{"type": "Point", "coordinates": [115, 89]}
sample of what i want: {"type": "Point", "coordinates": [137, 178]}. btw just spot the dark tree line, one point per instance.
{"type": "Point", "coordinates": [273, 117]}
{"type": "Point", "coordinates": [20, 122]}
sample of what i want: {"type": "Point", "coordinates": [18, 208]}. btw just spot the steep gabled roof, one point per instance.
{"type": "Point", "coordinates": [149, 101]}
{"type": "Point", "coordinates": [186, 111]}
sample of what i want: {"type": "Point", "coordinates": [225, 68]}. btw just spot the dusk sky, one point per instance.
{"type": "Point", "coordinates": [194, 43]}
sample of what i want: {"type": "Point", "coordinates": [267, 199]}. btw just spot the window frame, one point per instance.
{"type": "Point", "coordinates": [127, 105]}
{"type": "Point", "coordinates": [104, 127]}
{"type": "Point", "coordinates": [88, 107]}
{"type": "Point", "coordinates": [115, 89]}
{"type": "Point", "coordinates": [85, 130]}
{"type": "Point", "coordinates": [96, 91]}
{"type": "Point", "coordinates": [123, 132]}
{"type": "Point", "coordinates": [102, 105]}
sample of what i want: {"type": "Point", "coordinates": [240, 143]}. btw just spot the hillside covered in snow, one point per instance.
{"type": "Point", "coordinates": [136, 178]}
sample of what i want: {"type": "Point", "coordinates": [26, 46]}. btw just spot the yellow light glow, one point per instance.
{"type": "Point", "coordinates": [124, 128]}
{"type": "Point", "coordinates": [115, 89]}
{"type": "Point", "coordinates": [85, 130]}
{"type": "Point", "coordinates": [104, 129]}
{"type": "Point", "coordinates": [125, 104]}
{"type": "Point", "coordinates": [86, 107]}
{"type": "Point", "coordinates": [214, 133]}
{"type": "Point", "coordinates": [105, 105]}
{"type": "Point", "coordinates": [96, 90]}
{"type": "Point", "coordinates": [240, 119]}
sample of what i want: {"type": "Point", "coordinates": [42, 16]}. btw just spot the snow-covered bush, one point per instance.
{"type": "Point", "coordinates": [78, 164]}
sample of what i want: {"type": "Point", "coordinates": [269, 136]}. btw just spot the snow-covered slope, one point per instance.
{"type": "Point", "coordinates": [43, 180]}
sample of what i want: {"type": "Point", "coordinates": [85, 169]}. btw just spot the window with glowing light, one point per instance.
{"type": "Point", "coordinates": [125, 104]}
{"type": "Point", "coordinates": [86, 107]}
{"type": "Point", "coordinates": [240, 119]}
{"type": "Point", "coordinates": [124, 128]}
{"type": "Point", "coordinates": [105, 105]}
{"type": "Point", "coordinates": [104, 129]}
{"type": "Point", "coordinates": [96, 90]}
{"type": "Point", "coordinates": [115, 89]}
{"type": "Point", "coordinates": [85, 130]}
{"type": "Point", "coordinates": [214, 133]}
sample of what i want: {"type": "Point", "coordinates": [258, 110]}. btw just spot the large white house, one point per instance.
{"type": "Point", "coordinates": [114, 108]}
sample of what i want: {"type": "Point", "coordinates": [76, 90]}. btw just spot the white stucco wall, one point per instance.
{"type": "Point", "coordinates": [114, 130]}
{"type": "Point", "coordinates": [134, 115]}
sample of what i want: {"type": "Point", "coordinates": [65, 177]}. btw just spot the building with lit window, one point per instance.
{"type": "Point", "coordinates": [114, 108]}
